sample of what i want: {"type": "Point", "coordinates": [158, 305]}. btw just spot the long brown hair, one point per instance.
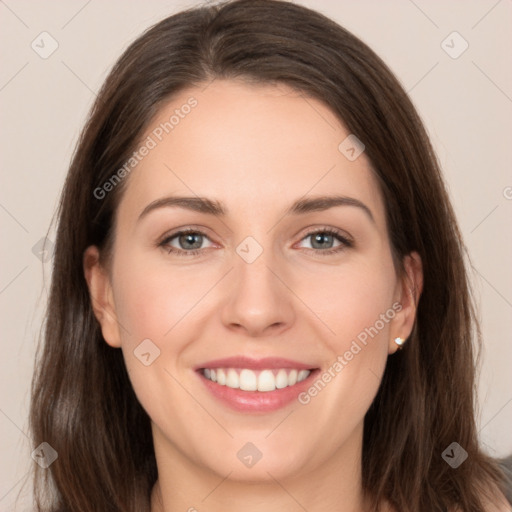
{"type": "Point", "coordinates": [83, 404]}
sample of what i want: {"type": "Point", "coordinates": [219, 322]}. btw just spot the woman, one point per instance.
{"type": "Point", "coordinates": [312, 349]}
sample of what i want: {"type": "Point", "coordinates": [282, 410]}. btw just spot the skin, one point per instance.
{"type": "Point", "coordinates": [256, 148]}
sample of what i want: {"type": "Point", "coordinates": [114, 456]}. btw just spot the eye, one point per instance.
{"type": "Point", "coordinates": [323, 240]}
{"type": "Point", "coordinates": [187, 242]}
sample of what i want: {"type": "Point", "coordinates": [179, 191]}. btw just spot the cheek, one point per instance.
{"type": "Point", "coordinates": [355, 302]}
{"type": "Point", "coordinates": [154, 306]}
{"type": "Point", "coordinates": [358, 308]}
{"type": "Point", "coordinates": [159, 303]}
{"type": "Point", "coordinates": [152, 299]}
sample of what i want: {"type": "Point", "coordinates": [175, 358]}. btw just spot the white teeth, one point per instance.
{"type": "Point", "coordinates": [266, 381]}
{"type": "Point", "coordinates": [232, 380]}
{"type": "Point", "coordinates": [250, 380]}
{"type": "Point", "coordinates": [281, 379]}
{"type": "Point", "coordinates": [221, 376]}
{"type": "Point", "coordinates": [302, 375]}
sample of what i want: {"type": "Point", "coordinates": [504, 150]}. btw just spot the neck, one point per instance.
{"type": "Point", "coordinates": [334, 486]}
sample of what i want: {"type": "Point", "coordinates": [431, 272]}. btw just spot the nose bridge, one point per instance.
{"type": "Point", "coordinates": [255, 280]}
{"type": "Point", "coordinates": [259, 299]}
{"type": "Point", "coordinates": [253, 271]}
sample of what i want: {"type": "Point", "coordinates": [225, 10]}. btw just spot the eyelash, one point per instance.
{"type": "Point", "coordinates": [346, 243]}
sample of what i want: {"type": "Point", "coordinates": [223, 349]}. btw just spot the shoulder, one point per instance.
{"type": "Point", "coordinates": [504, 499]}
{"type": "Point", "coordinates": [494, 499]}
{"type": "Point", "coordinates": [501, 503]}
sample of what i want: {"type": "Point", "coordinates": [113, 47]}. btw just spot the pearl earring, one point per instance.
{"type": "Point", "coordinates": [399, 341]}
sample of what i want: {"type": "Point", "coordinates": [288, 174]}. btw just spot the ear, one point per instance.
{"type": "Point", "coordinates": [408, 293]}
{"type": "Point", "coordinates": [102, 298]}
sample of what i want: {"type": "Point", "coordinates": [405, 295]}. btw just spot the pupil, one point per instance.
{"type": "Point", "coordinates": [189, 238]}
{"type": "Point", "coordinates": [320, 238]}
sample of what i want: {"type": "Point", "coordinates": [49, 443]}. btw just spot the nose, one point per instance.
{"type": "Point", "coordinates": [259, 303]}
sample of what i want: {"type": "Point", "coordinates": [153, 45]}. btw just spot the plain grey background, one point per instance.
{"type": "Point", "coordinates": [461, 84]}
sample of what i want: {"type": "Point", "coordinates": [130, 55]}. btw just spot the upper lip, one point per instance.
{"type": "Point", "coordinates": [255, 364]}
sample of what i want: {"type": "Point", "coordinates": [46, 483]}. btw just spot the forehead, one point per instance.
{"type": "Point", "coordinates": [262, 145]}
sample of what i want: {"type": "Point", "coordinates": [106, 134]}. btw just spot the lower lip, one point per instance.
{"type": "Point", "coordinates": [257, 401]}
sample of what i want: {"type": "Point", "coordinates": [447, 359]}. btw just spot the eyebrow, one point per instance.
{"type": "Point", "coordinates": [216, 208]}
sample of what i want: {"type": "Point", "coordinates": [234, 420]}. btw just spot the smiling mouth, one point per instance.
{"type": "Point", "coordinates": [264, 380]}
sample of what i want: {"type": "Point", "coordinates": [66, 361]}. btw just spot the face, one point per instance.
{"type": "Point", "coordinates": [262, 284]}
